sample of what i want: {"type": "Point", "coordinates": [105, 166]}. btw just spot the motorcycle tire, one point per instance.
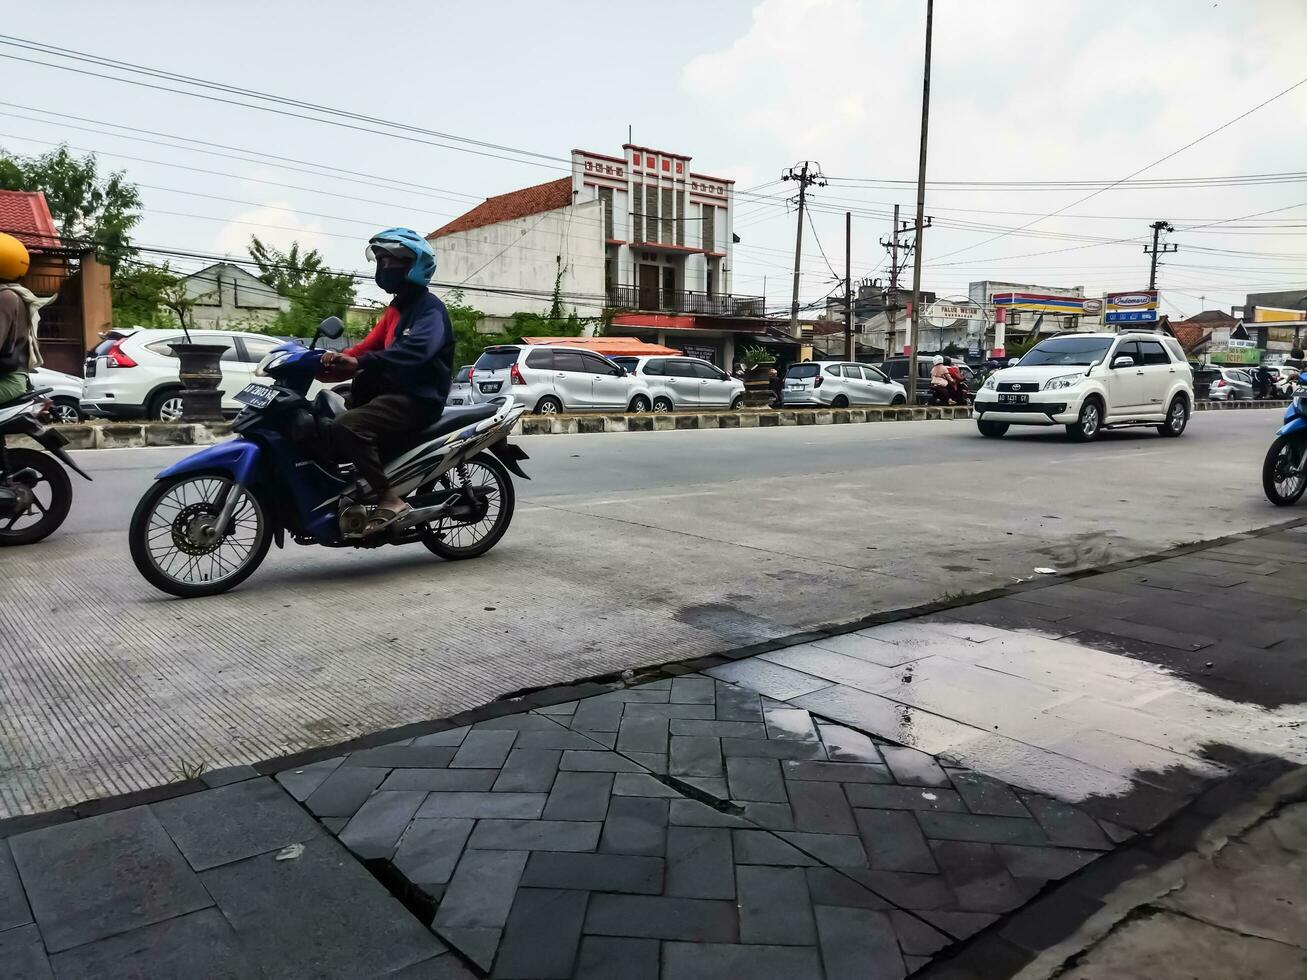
{"type": "Point", "coordinates": [61, 497]}
{"type": "Point", "coordinates": [1270, 467]}
{"type": "Point", "coordinates": [138, 536]}
{"type": "Point", "coordinates": [438, 537]}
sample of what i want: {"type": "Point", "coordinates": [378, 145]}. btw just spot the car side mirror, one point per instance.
{"type": "Point", "coordinates": [1124, 361]}
{"type": "Point", "coordinates": [1013, 361]}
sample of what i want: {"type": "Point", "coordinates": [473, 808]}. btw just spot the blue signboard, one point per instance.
{"type": "Point", "coordinates": [1131, 316]}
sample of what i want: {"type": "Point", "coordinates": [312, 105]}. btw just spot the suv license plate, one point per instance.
{"type": "Point", "coordinates": [489, 387]}
{"type": "Point", "coordinates": [1014, 399]}
{"type": "Point", "coordinates": [256, 396]}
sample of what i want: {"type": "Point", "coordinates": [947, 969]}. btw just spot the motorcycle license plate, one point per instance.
{"type": "Point", "coordinates": [1014, 399]}
{"type": "Point", "coordinates": [490, 387]}
{"type": "Point", "coordinates": [256, 396]}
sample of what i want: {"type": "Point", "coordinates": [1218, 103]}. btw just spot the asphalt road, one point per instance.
{"type": "Point", "coordinates": [625, 550]}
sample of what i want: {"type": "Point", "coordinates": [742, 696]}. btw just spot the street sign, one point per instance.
{"type": "Point", "coordinates": [1137, 306]}
{"type": "Point", "coordinates": [946, 314]}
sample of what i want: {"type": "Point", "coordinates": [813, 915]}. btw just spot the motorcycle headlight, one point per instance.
{"type": "Point", "coordinates": [1065, 381]}
{"type": "Point", "coordinates": [991, 382]}
{"type": "Point", "coordinates": [270, 361]}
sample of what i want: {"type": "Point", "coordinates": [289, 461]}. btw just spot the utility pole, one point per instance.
{"type": "Point", "coordinates": [848, 287]}
{"type": "Point", "coordinates": [921, 210]}
{"type": "Point", "coordinates": [1158, 227]}
{"type": "Point", "coordinates": [891, 300]}
{"type": "Point", "coordinates": [806, 173]}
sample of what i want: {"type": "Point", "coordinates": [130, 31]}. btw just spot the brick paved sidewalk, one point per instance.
{"type": "Point", "coordinates": [902, 798]}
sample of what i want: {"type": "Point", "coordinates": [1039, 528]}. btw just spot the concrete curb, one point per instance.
{"type": "Point", "coordinates": [130, 435]}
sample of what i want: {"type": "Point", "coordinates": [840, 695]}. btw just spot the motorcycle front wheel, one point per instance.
{"type": "Point", "coordinates": [470, 535]}
{"type": "Point", "coordinates": [173, 543]}
{"type": "Point", "coordinates": [51, 497]}
{"type": "Point", "coordinates": [1283, 478]}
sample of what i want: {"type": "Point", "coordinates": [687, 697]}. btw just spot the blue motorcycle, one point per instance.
{"type": "Point", "coordinates": [1284, 472]}
{"type": "Point", "coordinates": [207, 522]}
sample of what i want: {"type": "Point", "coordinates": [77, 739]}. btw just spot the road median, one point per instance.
{"type": "Point", "coordinates": [135, 435]}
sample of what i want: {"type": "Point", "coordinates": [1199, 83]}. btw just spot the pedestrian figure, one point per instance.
{"type": "Point", "coordinates": [774, 383]}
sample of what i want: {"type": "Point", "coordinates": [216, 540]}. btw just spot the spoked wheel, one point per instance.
{"type": "Point", "coordinates": [475, 529]}
{"type": "Point", "coordinates": [174, 541]}
{"type": "Point", "coordinates": [1283, 478]}
{"type": "Point", "coordinates": [41, 495]}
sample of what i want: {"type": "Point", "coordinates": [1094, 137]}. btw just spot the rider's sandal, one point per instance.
{"type": "Point", "coordinates": [383, 517]}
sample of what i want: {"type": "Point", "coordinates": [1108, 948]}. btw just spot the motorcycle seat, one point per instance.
{"type": "Point", "coordinates": [26, 396]}
{"type": "Point", "coordinates": [328, 404]}
{"type": "Point", "coordinates": [451, 420]}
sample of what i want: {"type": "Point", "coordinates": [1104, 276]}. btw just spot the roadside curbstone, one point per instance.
{"type": "Point", "coordinates": [171, 435]}
{"type": "Point", "coordinates": [640, 423]}
{"type": "Point", "coordinates": [686, 421]}
{"type": "Point", "coordinates": [664, 423]}
{"type": "Point", "coordinates": [750, 420]}
{"type": "Point", "coordinates": [590, 423]}
{"type": "Point", "coordinates": [729, 420]}
{"type": "Point", "coordinates": [709, 422]}
{"type": "Point", "coordinates": [615, 423]}
{"type": "Point", "coordinates": [81, 436]}
{"type": "Point", "coordinates": [121, 435]}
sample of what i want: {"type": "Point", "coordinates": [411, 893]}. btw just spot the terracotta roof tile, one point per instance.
{"type": "Point", "coordinates": [515, 204]}
{"type": "Point", "coordinates": [26, 216]}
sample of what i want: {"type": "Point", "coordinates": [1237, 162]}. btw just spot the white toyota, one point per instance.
{"type": "Point", "coordinates": [1089, 382]}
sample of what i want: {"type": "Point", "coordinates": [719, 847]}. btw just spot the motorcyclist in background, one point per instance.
{"type": "Point", "coordinates": [401, 370]}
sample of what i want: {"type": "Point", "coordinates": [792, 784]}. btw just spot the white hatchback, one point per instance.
{"type": "Point", "coordinates": [549, 379]}
{"type": "Point", "coordinates": [839, 384]}
{"type": "Point", "coordinates": [677, 383]}
{"type": "Point", "coordinates": [1091, 381]}
{"type": "Point", "coordinates": [132, 373]}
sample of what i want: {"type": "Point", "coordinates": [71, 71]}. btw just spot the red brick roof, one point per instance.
{"type": "Point", "coordinates": [1191, 335]}
{"type": "Point", "coordinates": [26, 216]}
{"type": "Point", "coordinates": [515, 204]}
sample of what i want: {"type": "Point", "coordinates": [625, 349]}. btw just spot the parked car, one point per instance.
{"type": "Point", "coordinates": [897, 369]}
{"type": "Point", "coordinates": [66, 393]}
{"type": "Point", "coordinates": [1233, 385]}
{"type": "Point", "coordinates": [460, 392]}
{"type": "Point", "coordinates": [1091, 381]}
{"type": "Point", "coordinates": [839, 384]}
{"type": "Point", "coordinates": [132, 372]}
{"type": "Point", "coordinates": [684, 382]}
{"type": "Point", "coordinates": [550, 379]}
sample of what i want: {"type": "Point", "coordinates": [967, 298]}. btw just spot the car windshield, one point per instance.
{"type": "Point", "coordinates": [496, 359]}
{"type": "Point", "coordinates": [1068, 351]}
{"type": "Point", "coordinates": [808, 370]}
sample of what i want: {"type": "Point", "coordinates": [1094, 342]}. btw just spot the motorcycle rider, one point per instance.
{"type": "Point", "coordinates": [19, 311]}
{"type": "Point", "coordinates": [402, 369]}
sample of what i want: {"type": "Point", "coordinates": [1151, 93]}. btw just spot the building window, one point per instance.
{"type": "Point", "coordinates": [680, 167]}
{"type": "Point", "coordinates": [680, 217]}
{"type": "Point", "coordinates": [649, 162]}
{"type": "Point", "coordinates": [637, 215]}
{"type": "Point", "coordinates": [669, 217]}
{"type": "Point", "coordinates": [651, 212]}
{"type": "Point", "coordinates": [709, 228]}
{"type": "Point", "coordinates": [606, 196]}
{"type": "Point", "coordinates": [610, 274]}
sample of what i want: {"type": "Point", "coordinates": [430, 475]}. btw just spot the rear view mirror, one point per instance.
{"type": "Point", "coordinates": [331, 328]}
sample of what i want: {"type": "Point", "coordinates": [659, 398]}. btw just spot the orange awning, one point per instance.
{"type": "Point", "coordinates": [608, 346]}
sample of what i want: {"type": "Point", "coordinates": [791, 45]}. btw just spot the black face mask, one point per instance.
{"type": "Point", "coordinates": [391, 278]}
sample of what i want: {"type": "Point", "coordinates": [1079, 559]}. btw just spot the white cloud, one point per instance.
{"type": "Point", "coordinates": [276, 223]}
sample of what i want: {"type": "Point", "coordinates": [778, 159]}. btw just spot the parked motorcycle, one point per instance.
{"type": "Point", "coordinates": [1284, 471]}
{"type": "Point", "coordinates": [208, 521]}
{"type": "Point", "coordinates": [35, 492]}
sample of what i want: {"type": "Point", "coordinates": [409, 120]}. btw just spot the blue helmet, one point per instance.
{"type": "Point", "coordinates": [405, 243]}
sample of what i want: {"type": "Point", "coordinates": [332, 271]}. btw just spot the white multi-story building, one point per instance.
{"type": "Point", "coordinates": [641, 234]}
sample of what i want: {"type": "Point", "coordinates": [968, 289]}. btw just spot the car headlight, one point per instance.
{"type": "Point", "coordinates": [991, 382]}
{"type": "Point", "coordinates": [1065, 381]}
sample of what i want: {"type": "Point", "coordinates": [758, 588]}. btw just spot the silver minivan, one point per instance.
{"type": "Point", "coordinates": [839, 384]}
{"type": "Point", "coordinates": [548, 380]}
{"type": "Point", "coordinates": [676, 383]}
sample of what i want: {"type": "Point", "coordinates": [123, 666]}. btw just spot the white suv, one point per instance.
{"type": "Point", "coordinates": [1091, 381]}
{"type": "Point", "coordinates": [132, 373]}
{"type": "Point", "coordinates": [549, 379]}
{"type": "Point", "coordinates": [676, 383]}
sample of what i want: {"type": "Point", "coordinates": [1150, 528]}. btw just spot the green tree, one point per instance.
{"type": "Point", "coordinates": [138, 293]}
{"type": "Point", "coordinates": [84, 205]}
{"type": "Point", "coordinates": [314, 291]}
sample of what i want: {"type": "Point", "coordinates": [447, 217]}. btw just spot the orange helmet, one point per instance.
{"type": "Point", "coordinates": [14, 259]}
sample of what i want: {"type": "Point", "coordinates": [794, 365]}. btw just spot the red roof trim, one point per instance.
{"type": "Point", "coordinates": [26, 216]}
{"type": "Point", "coordinates": [650, 149]}
{"type": "Point", "coordinates": [600, 156]}
{"type": "Point", "coordinates": [724, 180]}
{"type": "Point", "coordinates": [549, 196]}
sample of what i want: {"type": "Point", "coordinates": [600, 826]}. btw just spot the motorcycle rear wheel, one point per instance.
{"type": "Point", "coordinates": [459, 540]}
{"type": "Point", "coordinates": [1284, 489]}
{"type": "Point", "coordinates": [165, 537]}
{"type": "Point", "coordinates": [52, 497]}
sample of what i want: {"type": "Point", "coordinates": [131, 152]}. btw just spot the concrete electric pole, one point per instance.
{"type": "Point", "coordinates": [848, 287]}
{"type": "Point", "coordinates": [1158, 227]}
{"type": "Point", "coordinates": [806, 173]}
{"type": "Point", "coordinates": [921, 211]}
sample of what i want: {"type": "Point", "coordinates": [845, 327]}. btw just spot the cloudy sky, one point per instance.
{"type": "Point", "coordinates": [1051, 102]}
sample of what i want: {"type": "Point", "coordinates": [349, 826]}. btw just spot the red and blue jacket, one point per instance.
{"type": "Point", "coordinates": [410, 350]}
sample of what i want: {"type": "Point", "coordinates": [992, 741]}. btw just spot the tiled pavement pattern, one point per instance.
{"type": "Point", "coordinates": [192, 887]}
{"type": "Point", "coordinates": [574, 840]}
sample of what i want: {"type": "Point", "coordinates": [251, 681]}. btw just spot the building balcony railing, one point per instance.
{"type": "Point", "coordinates": [683, 301]}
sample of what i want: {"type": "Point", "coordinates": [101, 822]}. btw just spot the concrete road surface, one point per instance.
{"type": "Point", "coordinates": [625, 550]}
